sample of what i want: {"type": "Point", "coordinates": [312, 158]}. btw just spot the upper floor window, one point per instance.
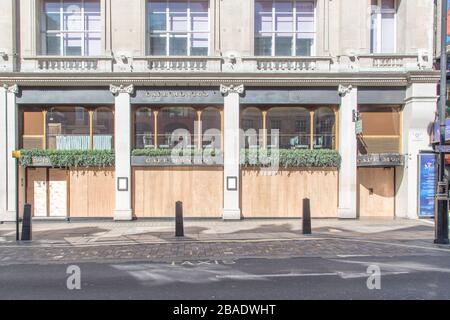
{"type": "Point", "coordinates": [178, 28]}
{"type": "Point", "coordinates": [284, 28]}
{"type": "Point", "coordinates": [71, 27]}
{"type": "Point", "coordinates": [383, 26]}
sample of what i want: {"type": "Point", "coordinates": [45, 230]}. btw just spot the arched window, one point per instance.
{"type": "Point", "coordinates": [172, 119]}
{"type": "Point", "coordinates": [324, 128]}
{"type": "Point", "coordinates": [211, 128]}
{"type": "Point", "coordinates": [293, 125]}
{"type": "Point", "coordinates": [144, 129]}
{"type": "Point", "coordinates": [68, 128]}
{"type": "Point", "coordinates": [251, 124]}
{"type": "Point", "coordinates": [103, 129]}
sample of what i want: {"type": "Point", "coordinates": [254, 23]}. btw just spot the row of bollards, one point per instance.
{"type": "Point", "coordinates": [179, 226]}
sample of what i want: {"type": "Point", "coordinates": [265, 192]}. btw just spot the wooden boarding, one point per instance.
{"type": "Point", "coordinates": [155, 191]}
{"type": "Point", "coordinates": [92, 193]}
{"type": "Point", "coordinates": [281, 195]}
{"type": "Point", "coordinates": [376, 192]}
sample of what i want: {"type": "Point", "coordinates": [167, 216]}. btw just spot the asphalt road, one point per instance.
{"type": "Point", "coordinates": [407, 277]}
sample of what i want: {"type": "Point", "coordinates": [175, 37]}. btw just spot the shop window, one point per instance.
{"type": "Point", "coordinates": [32, 128]}
{"type": "Point", "coordinates": [251, 124]}
{"type": "Point", "coordinates": [175, 126]}
{"type": "Point", "coordinates": [144, 129]}
{"type": "Point", "coordinates": [71, 27]}
{"type": "Point", "coordinates": [284, 28]}
{"type": "Point", "coordinates": [178, 28]}
{"type": "Point", "coordinates": [103, 129]}
{"type": "Point", "coordinates": [293, 125]}
{"type": "Point", "coordinates": [68, 128]}
{"type": "Point", "coordinates": [381, 130]}
{"type": "Point", "coordinates": [211, 128]}
{"type": "Point", "coordinates": [324, 128]}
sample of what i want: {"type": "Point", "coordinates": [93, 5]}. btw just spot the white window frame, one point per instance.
{"type": "Point", "coordinates": [83, 32]}
{"type": "Point", "coordinates": [379, 13]}
{"type": "Point", "coordinates": [168, 33]}
{"type": "Point", "coordinates": [294, 27]}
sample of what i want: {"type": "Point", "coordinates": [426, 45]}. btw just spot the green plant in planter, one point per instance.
{"type": "Point", "coordinates": [70, 158]}
{"type": "Point", "coordinates": [293, 158]}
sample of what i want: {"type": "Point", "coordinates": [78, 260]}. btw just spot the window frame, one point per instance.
{"type": "Point", "coordinates": [83, 32]}
{"type": "Point", "coordinates": [167, 34]}
{"type": "Point", "coordinates": [378, 25]}
{"type": "Point", "coordinates": [294, 32]}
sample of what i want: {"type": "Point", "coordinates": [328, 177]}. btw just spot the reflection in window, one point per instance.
{"type": "Point", "coordinates": [383, 26]}
{"type": "Point", "coordinates": [103, 129]}
{"type": "Point", "coordinates": [284, 28]}
{"type": "Point", "coordinates": [178, 28]}
{"type": "Point", "coordinates": [68, 128]}
{"type": "Point", "coordinates": [176, 125]}
{"type": "Point", "coordinates": [211, 126]}
{"type": "Point", "coordinates": [324, 128]}
{"type": "Point", "coordinates": [71, 27]}
{"type": "Point", "coordinates": [251, 123]}
{"type": "Point", "coordinates": [293, 125]}
{"type": "Point", "coordinates": [144, 129]}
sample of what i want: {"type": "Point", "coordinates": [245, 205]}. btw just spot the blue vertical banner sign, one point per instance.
{"type": "Point", "coordinates": [427, 184]}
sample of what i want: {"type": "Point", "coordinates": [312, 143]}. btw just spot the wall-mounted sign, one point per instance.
{"type": "Point", "coordinates": [381, 160]}
{"type": "Point", "coordinates": [427, 184]}
{"type": "Point", "coordinates": [122, 184]}
{"type": "Point", "coordinates": [156, 161]}
{"type": "Point", "coordinates": [358, 127]}
{"type": "Point", "coordinates": [191, 96]}
{"type": "Point", "coordinates": [41, 162]}
{"type": "Point", "coordinates": [232, 183]}
{"type": "Point", "coordinates": [436, 131]}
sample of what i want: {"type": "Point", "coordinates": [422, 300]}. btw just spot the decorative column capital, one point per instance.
{"type": "Point", "coordinates": [225, 90]}
{"type": "Point", "coordinates": [11, 88]}
{"type": "Point", "coordinates": [344, 90]}
{"type": "Point", "coordinates": [115, 90]}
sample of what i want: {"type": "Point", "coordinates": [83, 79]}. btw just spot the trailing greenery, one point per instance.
{"type": "Point", "coordinates": [70, 158]}
{"type": "Point", "coordinates": [168, 152]}
{"type": "Point", "coordinates": [292, 158]}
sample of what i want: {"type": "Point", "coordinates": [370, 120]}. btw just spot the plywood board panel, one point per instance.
{"type": "Point", "coordinates": [37, 191]}
{"type": "Point", "coordinates": [376, 191]}
{"type": "Point", "coordinates": [155, 191]}
{"type": "Point", "coordinates": [280, 195]}
{"type": "Point", "coordinates": [57, 193]}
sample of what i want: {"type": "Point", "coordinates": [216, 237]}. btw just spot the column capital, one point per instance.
{"type": "Point", "coordinates": [115, 90]}
{"type": "Point", "coordinates": [343, 90]}
{"type": "Point", "coordinates": [11, 88]}
{"type": "Point", "coordinates": [225, 90]}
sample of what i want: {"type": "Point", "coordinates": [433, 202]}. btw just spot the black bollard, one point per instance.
{"type": "Point", "coordinates": [179, 228]}
{"type": "Point", "coordinates": [26, 223]}
{"type": "Point", "coordinates": [306, 216]}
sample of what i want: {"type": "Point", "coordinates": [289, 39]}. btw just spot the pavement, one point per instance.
{"type": "Point", "coordinates": [152, 240]}
{"type": "Point", "coordinates": [217, 260]}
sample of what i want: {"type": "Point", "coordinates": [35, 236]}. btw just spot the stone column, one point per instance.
{"type": "Point", "coordinates": [231, 152]}
{"type": "Point", "coordinates": [417, 118]}
{"type": "Point", "coordinates": [122, 147]}
{"type": "Point", "coordinates": [8, 143]}
{"type": "Point", "coordinates": [348, 150]}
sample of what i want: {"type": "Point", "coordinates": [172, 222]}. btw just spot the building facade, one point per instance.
{"type": "Point", "coordinates": [351, 76]}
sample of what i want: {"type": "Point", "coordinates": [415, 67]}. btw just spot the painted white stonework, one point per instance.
{"type": "Point", "coordinates": [3, 159]}
{"type": "Point", "coordinates": [231, 210]}
{"type": "Point", "coordinates": [122, 148]}
{"type": "Point", "coordinates": [348, 150]}
{"type": "Point", "coordinates": [418, 115]}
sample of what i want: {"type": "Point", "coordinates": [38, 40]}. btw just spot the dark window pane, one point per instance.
{"type": "Point", "coordinates": [304, 47]}
{"type": "Point", "coordinates": [53, 43]}
{"type": "Point", "coordinates": [178, 46]}
{"type": "Point", "coordinates": [283, 46]}
{"type": "Point", "coordinates": [263, 46]}
{"type": "Point", "coordinates": [157, 22]}
{"type": "Point", "coordinates": [158, 46]}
